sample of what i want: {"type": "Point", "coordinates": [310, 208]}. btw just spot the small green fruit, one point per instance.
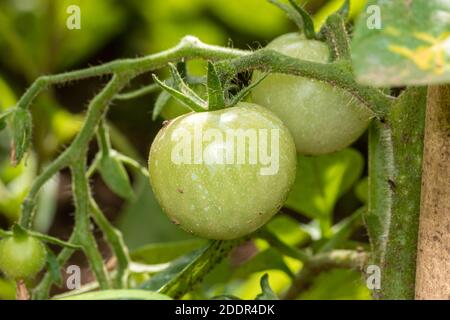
{"type": "Point", "coordinates": [21, 257]}
{"type": "Point", "coordinates": [321, 118]}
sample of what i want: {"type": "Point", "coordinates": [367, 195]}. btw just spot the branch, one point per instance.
{"type": "Point", "coordinates": [139, 92]}
{"type": "Point", "coordinates": [337, 74]}
{"type": "Point", "coordinates": [337, 37]}
{"type": "Point", "coordinates": [116, 242]}
{"type": "Point", "coordinates": [84, 236]}
{"type": "Point", "coordinates": [188, 48]}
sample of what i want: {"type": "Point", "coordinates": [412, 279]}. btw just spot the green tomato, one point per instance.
{"type": "Point", "coordinates": [321, 118]}
{"type": "Point", "coordinates": [21, 257]}
{"type": "Point", "coordinates": [225, 173]}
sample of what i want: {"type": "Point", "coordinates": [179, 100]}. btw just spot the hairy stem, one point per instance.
{"type": "Point", "coordinates": [117, 244]}
{"type": "Point", "coordinates": [337, 37]}
{"type": "Point", "coordinates": [395, 170]}
{"type": "Point", "coordinates": [337, 74]}
{"type": "Point", "coordinates": [82, 222]}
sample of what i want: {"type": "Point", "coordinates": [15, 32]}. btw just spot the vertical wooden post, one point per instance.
{"type": "Point", "coordinates": [433, 256]}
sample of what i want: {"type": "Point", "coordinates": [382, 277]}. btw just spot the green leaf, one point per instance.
{"type": "Point", "coordinates": [22, 130]}
{"type": "Point", "coordinates": [282, 247]}
{"type": "Point", "coordinates": [119, 294]}
{"type": "Point", "coordinates": [18, 231]}
{"type": "Point", "coordinates": [164, 252]}
{"type": "Point", "coordinates": [142, 220]}
{"type": "Point", "coordinates": [337, 284]}
{"type": "Point", "coordinates": [160, 103]}
{"type": "Point", "coordinates": [2, 124]}
{"type": "Point", "coordinates": [362, 190]}
{"type": "Point", "coordinates": [7, 96]}
{"type": "Point", "coordinates": [225, 297]}
{"type": "Point", "coordinates": [115, 176]}
{"type": "Point", "coordinates": [409, 46]}
{"type": "Point", "coordinates": [344, 10]}
{"type": "Point", "coordinates": [189, 101]}
{"type": "Point", "coordinates": [321, 180]}
{"type": "Point", "coordinates": [162, 278]}
{"type": "Point", "coordinates": [216, 99]}
{"type": "Point", "coordinates": [181, 85]}
{"type": "Point", "coordinates": [267, 292]}
{"type": "Point", "coordinates": [290, 12]}
{"type": "Point", "coordinates": [268, 259]}
{"type": "Point", "coordinates": [343, 230]}
{"type": "Point", "coordinates": [288, 230]}
{"type": "Point", "coordinates": [308, 24]}
{"type": "Point", "coordinates": [54, 268]}
{"type": "Point", "coordinates": [185, 272]}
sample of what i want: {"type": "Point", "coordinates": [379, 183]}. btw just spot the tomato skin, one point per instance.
{"type": "Point", "coordinates": [21, 257]}
{"type": "Point", "coordinates": [221, 201]}
{"type": "Point", "coordinates": [321, 118]}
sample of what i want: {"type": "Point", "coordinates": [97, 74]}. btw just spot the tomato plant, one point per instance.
{"type": "Point", "coordinates": [272, 186]}
{"type": "Point", "coordinates": [21, 257]}
{"type": "Point", "coordinates": [223, 197]}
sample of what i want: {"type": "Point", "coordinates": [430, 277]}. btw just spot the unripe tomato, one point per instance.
{"type": "Point", "coordinates": [225, 173]}
{"type": "Point", "coordinates": [321, 118]}
{"type": "Point", "coordinates": [21, 257]}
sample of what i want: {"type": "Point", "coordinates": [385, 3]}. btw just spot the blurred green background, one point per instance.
{"type": "Point", "coordinates": [34, 40]}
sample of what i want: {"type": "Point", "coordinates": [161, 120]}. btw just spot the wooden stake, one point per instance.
{"type": "Point", "coordinates": [433, 256]}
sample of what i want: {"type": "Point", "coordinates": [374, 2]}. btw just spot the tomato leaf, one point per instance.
{"type": "Point", "coordinates": [267, 292]}
{"type": "Point", "coordinates": [403, 42]}
{"type": "Point", "coordinates": [225, 297]}
{"type": "Point", "coordinates": [308, 24]}
{"type": "Point", "coordinates": [184, 88]}
{"type": "Point", "coordinates": [321, 180]}
{"type": "Point", "coordinates": [268, 259]}
{"type": "Point", "coordinates": [3, 118]}
{"type": "Point", "coordinates": [344, 10]}
{"type": "Point", "coordinates": [118, 294]}
{"type": "Point", "coordinates": [115, 176]}
{"type": "Point", "coordinates": [337, 284]}
{"type": "Point", "coordinates": [362, 190]}
{"type": "Point", "coordinates": [190, 101]}
{"type": "Point", "coordinates": [290, 12]}
{"type": "Point", "coordinates": [216, 99]}
{"type": "Point", "coordinates": [164, 252]}
{"type": "Point", "coordinates": [160, 103]}
{"type": "Point", "coordinates": [281, 246]}
{"type": "Point", "coordinates": [22, 130]}
{"type": "Point", "coordinates": [186, 271]}
{"type": "Point", "coordinates": [54, 268]}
